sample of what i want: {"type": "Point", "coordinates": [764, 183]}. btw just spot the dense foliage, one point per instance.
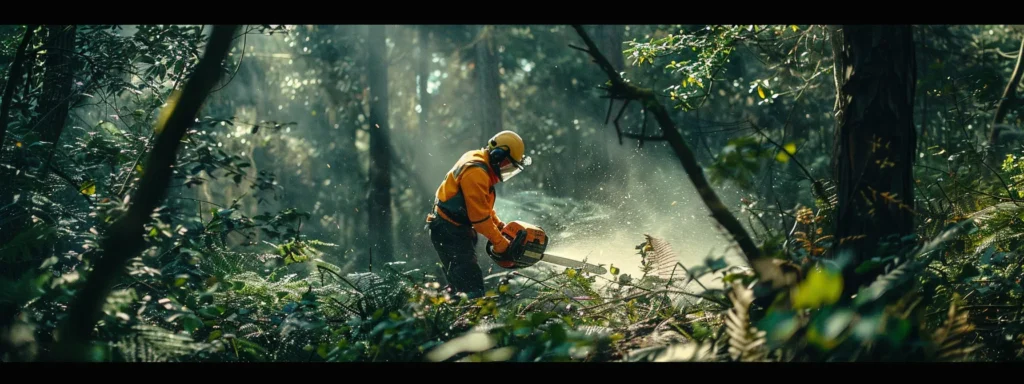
{"type": "Point", "coordinates": [260, 253]}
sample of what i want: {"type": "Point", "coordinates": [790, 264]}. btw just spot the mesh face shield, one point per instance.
{"type": "Point", "coordinates": [513, 168]}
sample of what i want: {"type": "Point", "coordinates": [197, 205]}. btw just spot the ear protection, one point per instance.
{"type": "Point", "coordinates": [497, 155]}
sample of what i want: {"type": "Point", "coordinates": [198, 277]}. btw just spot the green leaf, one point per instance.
{"type": "Point", "coordinates": [52, 260]}
{"type": "Point", "coordinates": [986, 258]}
{"type": "Point", "coordinates": [539, 318]}
{"type": "Point", "coordinates": [779, 326]}
{"type": "Point", "coordinates": [214, 335]}
{"type": "Point", "coordinates": [88, 188]}
{"type": "Point", "coordinates": [822, 287]}
{"type": "Point", "coordinates": [322, 350]}
{"type": "Point", "coordinates": [788, 150]}
{"type": "Point", "coordinates": [716, 264]}
{"type": "Point", "coordinates": [210, 312]}
{"type": "Point", "coordinates": [968, 272]}
{"type": "Point", "coordinates": [191, 324]}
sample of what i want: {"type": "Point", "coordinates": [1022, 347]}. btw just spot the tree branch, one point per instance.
{"type": "Point", "coordinates": [818, 188]}
{"type": "Point", "coordinates": [721, 213]}
{"type": "Point", "coordinates": [125, 237]}
{"type": "Point", "coordinates": [1009, 97]}
{"type": "Point", "coordinates": [642, 138]}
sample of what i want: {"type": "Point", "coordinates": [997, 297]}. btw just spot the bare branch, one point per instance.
{"type": "Point", "coordinates": [1009, 97]}
{"type": "Point", "coordinates": [818, 188]}
{"type": "Point", "coordinates": [578, 48]}
{"type": "Point", "coordinates": [643, 138]}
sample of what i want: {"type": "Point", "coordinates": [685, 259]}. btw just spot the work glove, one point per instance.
{"type": "Point", "coordinates": [508, 252]}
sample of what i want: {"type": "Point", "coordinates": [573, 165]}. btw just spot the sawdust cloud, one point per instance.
{"type": "Point", "coordinates": [657, 199]}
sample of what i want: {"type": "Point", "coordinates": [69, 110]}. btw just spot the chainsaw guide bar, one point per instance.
{"type": "Point", "coordinates": [527, 245]}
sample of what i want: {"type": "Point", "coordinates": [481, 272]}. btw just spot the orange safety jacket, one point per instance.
{"type": "Point", "coordinates": [466, 197]}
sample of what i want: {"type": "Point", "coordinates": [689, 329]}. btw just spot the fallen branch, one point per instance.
{"type": "Point", "coordinates": [619, 89]}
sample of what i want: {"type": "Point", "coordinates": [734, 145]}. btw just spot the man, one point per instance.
{"type": "Point", "coordinates": [464, 206]}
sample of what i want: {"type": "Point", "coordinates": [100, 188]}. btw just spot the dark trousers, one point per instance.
{"type": "Point", "coordinates": [456, 247]}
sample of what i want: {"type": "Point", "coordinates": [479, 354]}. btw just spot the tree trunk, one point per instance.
{"type": "Point", "coordinates": [14, 78]}
{"type": "Point", "coordinates": [609, 40]}
{"type": "Point", "coordinates": [381, 238]}
{"type": "Point", "coordinates": [488, 83]}
{"type": "Point", "coordinates": [53, 104]}
{"type": "Point", "coordinates": [52, 108]}
{"type": "Point", "coordinates": [423, 73]}
{"type": "Point", "coordinates": [876, 142]}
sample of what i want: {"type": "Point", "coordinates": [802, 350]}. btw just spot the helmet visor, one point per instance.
{"type": "Point", "coordinates": [512, 168]}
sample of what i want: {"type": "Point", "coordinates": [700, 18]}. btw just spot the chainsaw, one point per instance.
{"type": "Point", "coordinates": [527, 243]}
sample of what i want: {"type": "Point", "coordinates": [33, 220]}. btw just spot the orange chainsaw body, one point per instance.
{"type": "Point", "coordinates": [522, 252]}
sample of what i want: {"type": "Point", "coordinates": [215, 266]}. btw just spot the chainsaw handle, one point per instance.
{"type": "Point", "coordinates": [515, 248]}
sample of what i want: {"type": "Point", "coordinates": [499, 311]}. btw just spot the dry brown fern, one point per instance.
{"type": "Point", "coordinates": [746, 342]}
{"type": "Point", "coordinates": [659, 258]}
{"type": "Point", "coordinates": [949, 339]}
{"type": "Point", "coordinates": [690, 351]}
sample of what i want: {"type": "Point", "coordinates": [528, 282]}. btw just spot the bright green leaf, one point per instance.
{"type": "Point", "coordinates": [822, 287]}
{"type": "Point", "coordinates": [788, 150]}
{"type": "Point", "coordinates": [88, 188]}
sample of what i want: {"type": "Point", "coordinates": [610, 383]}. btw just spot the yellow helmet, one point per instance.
{"type": "Point", "coordinates": [507, 145]}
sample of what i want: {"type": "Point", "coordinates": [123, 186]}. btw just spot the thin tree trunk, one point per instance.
{"type": "Point", "coordinates": [423, 73]}
{"type": "Point", "coordinates": [52, 109]}
{"type": "Point", "coordinates": [609, 41]}
{"type": "Point", "coordinates": [876, 141]}
{"type": "Point", "coordinates": [381, 237]}
{"type": "Point", "coordinates": [488, 85]}
{"type": "Point", "coordinates": [124, 239]}
{"type": "Point", "coordinates": [13, 79]}
{"type": "Point", "coordinates": [57, 80]}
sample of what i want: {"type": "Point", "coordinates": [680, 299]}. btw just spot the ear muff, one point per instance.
{"type": "Point", "coordinates": [497, 155]}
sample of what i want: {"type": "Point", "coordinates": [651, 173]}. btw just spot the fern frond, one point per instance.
{"type": "Point", "coordinates": [154, 344]}
{"type": "Point", "coordinates": [950, 340]}
{"type": "Point", "coordinates": [660, 258]}
{"type": "Point", "coordinates": [19, 249]}
{"type": "Point", "coordinates": [378, 291]}
{"type": "Point", "coordinates": [746, 342]}
{"type": "Point", "coordinates": [683, 352]}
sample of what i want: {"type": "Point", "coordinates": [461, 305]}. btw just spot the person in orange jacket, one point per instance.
{"type": "Point", "coordinates": [464, 206]}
